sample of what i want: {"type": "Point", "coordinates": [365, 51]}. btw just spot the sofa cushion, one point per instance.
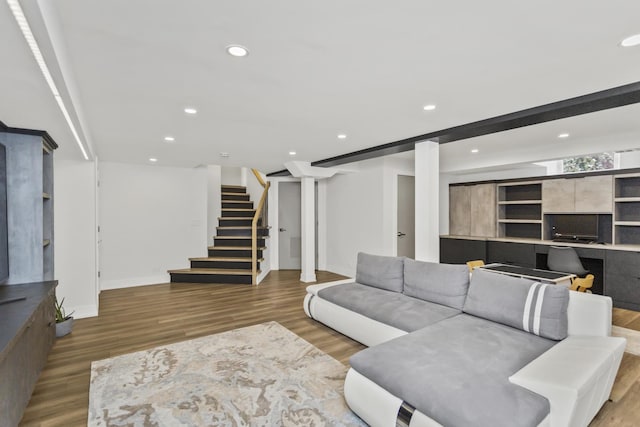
{"type": "Point", "coordinates": [534, 307]}
{"type": "Point", "coordinates": [391, 308]}
{"type": "Point", "coordinates": [457, 372]}
{"type": "Point", "coordinates": [382, 272]}
{"type": "Point", "coordinates": [445, 284]}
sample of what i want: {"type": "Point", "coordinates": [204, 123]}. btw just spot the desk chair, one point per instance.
{"type": "Point", "coordinates": [582, 284]}
{"type": "Point", "coordinates": [474, 264]}
{"type": "Point", "coordinates": [565, 259]}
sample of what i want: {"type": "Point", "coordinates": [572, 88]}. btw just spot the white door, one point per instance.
{"type": "Point", "coordinates": [289, 232]}
{"type": "Point", "coordinates": [406, 216]}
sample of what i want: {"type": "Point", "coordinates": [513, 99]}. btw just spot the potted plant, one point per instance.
{"type": "Point", "coordinates": [64, 321]}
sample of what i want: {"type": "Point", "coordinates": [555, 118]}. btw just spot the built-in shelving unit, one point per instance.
{"type": "Point", "coordinates": [627, 209]}
{"type": "Point", "coordinates": [520, 209]}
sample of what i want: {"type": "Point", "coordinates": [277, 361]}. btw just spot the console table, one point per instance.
{"type": "Point", "coordinates": [28, 324]}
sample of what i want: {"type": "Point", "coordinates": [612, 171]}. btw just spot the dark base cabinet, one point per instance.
{"type": "Point", "coordinates": [26, 336]}
{"type": "Point", "coordinates": [622, 277]}
{"type": "Point", "coordinates": [459, 251]}
{"type": "Point", "coordinates": [521, 254]}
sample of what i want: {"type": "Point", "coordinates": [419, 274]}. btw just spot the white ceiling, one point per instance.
{"type": "Point", "coordinates": [316, 69]}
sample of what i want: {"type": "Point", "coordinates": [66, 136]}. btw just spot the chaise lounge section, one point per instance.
{"type": "Point", "coordinates": [490, 351]}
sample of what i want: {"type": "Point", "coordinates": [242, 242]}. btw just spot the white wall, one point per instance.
{"type": "Point", "coordinates": [152, 220]}
{"type": "Point", "coordinates": [231, 175]}
{"type": "Point", "coordinates": [75, 236]}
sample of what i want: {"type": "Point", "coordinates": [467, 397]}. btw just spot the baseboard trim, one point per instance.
{"type": "Point", "coordinates": [106, 285]}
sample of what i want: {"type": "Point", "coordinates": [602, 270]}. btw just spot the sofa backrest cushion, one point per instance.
{"type": "Point", "coordinates": [445, 284]}
{"type": "Point", "coordinates": [382, 272]}
{"type": "Point", "coordinates": [534, 307]}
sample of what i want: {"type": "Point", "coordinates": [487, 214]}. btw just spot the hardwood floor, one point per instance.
{"type": "Point", "coordinates": [139, 318]}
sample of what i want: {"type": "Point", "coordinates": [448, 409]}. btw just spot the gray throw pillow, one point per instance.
{"type": "Point", "coordinates": [382, 272]}
{"type": "Point", "coordinates": [444, 284]}
{"type": "Point", "coordinates": [534, 307]}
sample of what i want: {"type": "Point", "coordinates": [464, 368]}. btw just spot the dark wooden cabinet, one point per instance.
{"type": "Point", "coordinates": [522, 254]}
{"type": "Point", "coordinates": [26, 336]}
{"type": "Point", "coordinates": [622, 278]}
{"type": "Point", "coordinates": [459, 251]}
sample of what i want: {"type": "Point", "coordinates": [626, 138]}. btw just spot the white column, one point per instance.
{"type": "Point", "coordinates": [308, 261]}
{"type": "Point", "coordinates": [322, 224]}
{"type": "Point", "coordinates": [427, 165]}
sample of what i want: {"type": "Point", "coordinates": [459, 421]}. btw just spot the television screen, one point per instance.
{"type": "Point", "coordinates": [4, 242]}
{"type": "Point", "coordinates": [581, 226]}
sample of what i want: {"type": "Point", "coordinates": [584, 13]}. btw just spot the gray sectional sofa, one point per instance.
{"type": "Point", "coordinates": [447, 349]}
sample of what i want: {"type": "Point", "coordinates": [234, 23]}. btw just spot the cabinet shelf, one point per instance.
{"type": "Point", "coordinates": [628, 223]}
{"type": "Point", "coordinates": [520, 202]}
{"type": "Point", "coordinates": [626, 199]}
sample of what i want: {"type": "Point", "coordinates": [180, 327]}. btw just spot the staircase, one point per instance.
{"type": "Point", "coordinates": [229, 259]}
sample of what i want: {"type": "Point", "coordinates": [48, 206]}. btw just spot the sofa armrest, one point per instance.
{"type": "Point", "coordinates": [576, 375]}
{"type": "Point", "coordinates": [314, 289]}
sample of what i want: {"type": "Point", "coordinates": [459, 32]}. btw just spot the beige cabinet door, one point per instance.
{"type": "Point", "coordinates": [594, 194]}
{"type": "Point", "coordinates": [558, 195]}
{"type": "Point", "coordinates": [483, 210]}
{"type": "Point", "coordinates": [459, 208]}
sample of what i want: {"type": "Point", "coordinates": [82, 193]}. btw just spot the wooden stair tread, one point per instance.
{"type": "Point", "coordinates": [237, 201]}
{"type": "Point", "coordinates": [232, 259]}
{"type": "Point", "coordinates": [232, 186]}
{"type": "Point", "coordinates": [235, 218]}
{"type": "Point", "coordinates": [240, 227]}
{"type": "Point", "coordinates": [240, 237]}
{"type": "Point", "coordinates": [238, 209]}
{"type": "Point", "coordinates": [211, 271]}
{"type": "Point", "coordinates": [236, 248]}
{"type": "Point", "coordinates": [232, 194]}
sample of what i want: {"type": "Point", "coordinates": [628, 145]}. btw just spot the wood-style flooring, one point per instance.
{"type": "Point", "coordinates": [143, 317]}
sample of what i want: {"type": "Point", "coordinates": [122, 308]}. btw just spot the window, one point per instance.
{"type": "Point", "coordinates": [594, 162]}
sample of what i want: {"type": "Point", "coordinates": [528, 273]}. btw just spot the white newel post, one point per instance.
{"type": "Point", "coordinates": [308, 219]}
{"type": "Point", "coordinates": [427, 169]}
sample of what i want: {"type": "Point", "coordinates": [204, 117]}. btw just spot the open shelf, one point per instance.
{"type": "Point", "coordinates": [627, 209]}
{"type": "Point", "coordinates": [520, 210]}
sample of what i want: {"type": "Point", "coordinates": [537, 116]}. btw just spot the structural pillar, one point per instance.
{"type": "Point", "coordinates": [308, 255]}
{"type": "Point", "coordinates": [427, 170]}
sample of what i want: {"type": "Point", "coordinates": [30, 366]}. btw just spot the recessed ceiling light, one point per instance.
{"type": "Point", "coordinates": [190, 110]}
{"type": "Point", "coordinates": [342, 136]}
{"type": "Point", "coordinates": [169, 138]}
{"type": "Point", "coordinates": [292, 153]}
{"type": "Point", "coordinates": [475, 150]}
{"type": "Point", "coordinates": [633, 40]}
{"type": "Point", "coordinates": [429, 107]}
{"type": "Point", "coordinates": [224, 154]}
{"type": "Point", "coordinates": [237, 50]}
{"type": "Point", "coordinates": [563, 135]}
{"type": "Point", "coordinates": [153, 160]}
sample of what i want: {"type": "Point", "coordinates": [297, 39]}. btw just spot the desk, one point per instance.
{"type": "Point", "coordinates": [544, 276]}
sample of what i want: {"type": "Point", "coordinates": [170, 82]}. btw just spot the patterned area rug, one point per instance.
{"type": "Point", "coordinates": [262, 375]}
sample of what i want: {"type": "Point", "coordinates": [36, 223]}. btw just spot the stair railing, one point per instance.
{"type": "Point", "coordinates": [259, 213]}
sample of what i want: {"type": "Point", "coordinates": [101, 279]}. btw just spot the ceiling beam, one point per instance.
{"type": "Point", "coordinates": [590, 103]}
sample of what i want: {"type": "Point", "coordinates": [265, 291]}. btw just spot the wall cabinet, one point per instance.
{"type": "Point", "coordinates": [622, 278]}
{"type": "Point", "coordinates": [29, 206]}
{"type": "Point", "coordinates": [472, 210]}
{"type": "Point", "coordinates": [593, 194]}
